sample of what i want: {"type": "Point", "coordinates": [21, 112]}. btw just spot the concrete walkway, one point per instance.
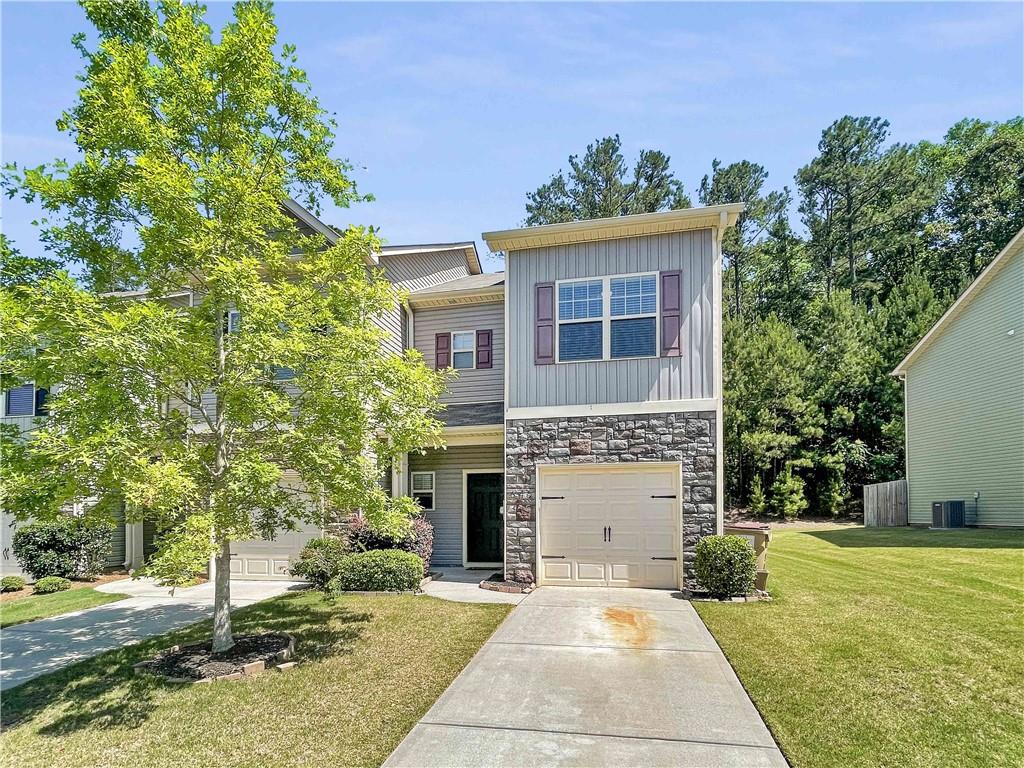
{"type": "Point", "coordinates": [37, 647]}
{"type": "Point", "coordinates": [592, 677]}
{"type": "Point", "coordinates": [463, 586]}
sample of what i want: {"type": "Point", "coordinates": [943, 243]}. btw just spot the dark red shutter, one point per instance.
{"type": "Point", "coordinates": [544, 324]}
{"type": "Point", "coordinates": [442, 351]}
{"type": "Point", "coordinates": [484, 354]}
{"type": "Point", "coordinates": [671, 313]}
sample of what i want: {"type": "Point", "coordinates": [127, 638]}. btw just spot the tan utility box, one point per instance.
{"type": "Point", "coordinates": [758, 534]}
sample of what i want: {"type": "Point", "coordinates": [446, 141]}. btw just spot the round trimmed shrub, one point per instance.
{"type": "Point", "coordinates": [379, 570]}
{"type": "Point", "coordinates": [50, 584]}
{"type": "Point", "coordinates": [725, 565]}
{"type": "Point", "coordinates": [12, 584]}
{"type": "Point", "coordinates": [319, 561]}
{"type": "Point", "coordinates": [362, 537]}
{"type": "Point", "coordinates": [71, 547]}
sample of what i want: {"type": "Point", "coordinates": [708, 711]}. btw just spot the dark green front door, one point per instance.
{"type": "Point", "coordinates": [484, 525]}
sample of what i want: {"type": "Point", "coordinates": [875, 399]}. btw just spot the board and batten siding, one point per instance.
{"type": "Point", "coordinates": [689, 376]}
{"type": "Point", "coordinates": [447, 464]}
{"type": "Point", "coordinates": [413, 271]}
{"type": "Point", "coordinates": [472, 385]}
{"type": "Point", "coordinates": [965, 408]}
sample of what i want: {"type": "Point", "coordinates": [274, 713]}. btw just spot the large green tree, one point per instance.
{"type": "Point", "coordinates": [742, 182]}
{"type": "Point", "coordinates": [601, 184]}
{"type": "Point", "coordinates": [190, 144]}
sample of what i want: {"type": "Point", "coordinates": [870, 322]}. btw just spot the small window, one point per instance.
{"type": "Point", "coordinates": [20, 401]}
{"type": "Point", "coordinates": [423, 489]}
{"type": "Point", "coordinates": [234, 321]}
{"type": "Point", "coordinates": [464, 350]}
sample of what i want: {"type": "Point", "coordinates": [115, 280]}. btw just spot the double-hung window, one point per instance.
{"type": "Point", "coordinates": [580, 320]}
{"type": "Point", "coordinates": [608, 318]}
{"type": "Point", "coordinates": [423, 489]}
{"type": "Point", "coordinates": [464, 350]}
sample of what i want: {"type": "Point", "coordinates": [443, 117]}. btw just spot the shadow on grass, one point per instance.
{"type": "Point", "coordinates": [103, 692]}
{"type": "Point", "coordinates": [963, 538]}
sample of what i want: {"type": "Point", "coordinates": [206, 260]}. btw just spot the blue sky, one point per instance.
{"type": "Point", "coordinates": [452, 112]}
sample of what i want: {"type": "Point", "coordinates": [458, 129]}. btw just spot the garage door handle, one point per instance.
{"type": "Point", "coordinates": [553, 557]}
{"type": "Point", "coordinates": [663, 558]}
{"type": "Point", "coordinates": [670, 496]}
{"type": "Point", "coordinates": [549, 498]}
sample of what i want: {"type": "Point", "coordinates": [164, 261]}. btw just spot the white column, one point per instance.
{"type": "Point", "coordinates": [399, 475]}
{"type": "Point", "coordinates": [133, 546]}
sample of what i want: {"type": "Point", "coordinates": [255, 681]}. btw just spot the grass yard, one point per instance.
{"type": "Point", "coordinates": [886, 647]}
{"type": "Point", "coordinates": [369, 668]}
{"type": "Point", "coordinates": [31, 607]}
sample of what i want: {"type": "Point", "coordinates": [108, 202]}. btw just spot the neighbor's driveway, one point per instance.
{"type": "Point", "coordinates": [590, 677]}
{"type": "Point", "coordinates": [37, 647]}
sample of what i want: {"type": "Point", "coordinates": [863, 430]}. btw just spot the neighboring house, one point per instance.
{"type": "Point", "coordinates": [583, 429]}
{"type": "Point", "coordinates": [964, 401]}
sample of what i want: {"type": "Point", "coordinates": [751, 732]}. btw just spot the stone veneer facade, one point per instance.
{"type": "Point", "coordinates": [687, 437]}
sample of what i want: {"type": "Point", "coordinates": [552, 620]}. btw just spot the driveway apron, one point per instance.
{"type": "Point", "coordinates": [590, 677]}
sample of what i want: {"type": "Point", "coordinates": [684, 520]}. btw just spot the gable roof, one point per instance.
{"type": "Point", "coordinates": [468, 248]}
{"type": "Point", "coordinates": [1015, 245]}
{"type": "Point", "coordinates": [615, 227]}
{"type": "Point", "coordinates": [472, 289]}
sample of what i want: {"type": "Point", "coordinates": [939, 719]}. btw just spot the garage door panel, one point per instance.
{"type": "Point", "coordinates": [602, 500]}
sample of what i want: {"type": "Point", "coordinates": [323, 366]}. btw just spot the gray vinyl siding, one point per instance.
{"type": "Point", "coordinates": [414, 271]}
{"type": "Point", "coordinates": [690, 376]}
{"type": "Point", "coordinates": [472, 385]}
{"type": "Point", "coordinates": [965, 407]}
{"type": "Point", "coordinates": [447, 515]}
{"type": "Point", "coordinates": [115, 559]}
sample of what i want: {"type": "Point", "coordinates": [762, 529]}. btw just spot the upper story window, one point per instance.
{"type": "Point", "coordinates": [608, 318]}
{"type": "Point", "coordinates": [464, 350]}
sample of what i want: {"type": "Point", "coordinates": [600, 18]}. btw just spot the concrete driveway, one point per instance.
{"type": "Point", "coordinates": [37, 647]}
{"type": "Point", "coordinates": [591, 677]}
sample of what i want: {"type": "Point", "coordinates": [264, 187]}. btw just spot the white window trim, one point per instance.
{"type": "Point", "coordinates": [463, 351]}
{"type": "Point", "coordinates": [432, 491]}
{"type": "Point", "coordinates": [606, 318]}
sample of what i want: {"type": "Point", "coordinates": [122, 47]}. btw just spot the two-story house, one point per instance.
{"type": "Point", "coordinates": [584, 424]}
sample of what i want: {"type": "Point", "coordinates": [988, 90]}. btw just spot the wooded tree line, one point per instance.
{"type": "Point", "coordinates": [818, 315]}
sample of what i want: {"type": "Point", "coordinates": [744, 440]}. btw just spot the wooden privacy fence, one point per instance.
{"type": "Point", "coordinates": [885, 504]}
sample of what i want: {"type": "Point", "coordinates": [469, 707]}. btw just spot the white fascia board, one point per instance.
{"type": "Point", "coordinates": [613, 409]}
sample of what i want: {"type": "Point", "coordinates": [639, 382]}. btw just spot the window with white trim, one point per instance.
{"type": "Point", "coordinates": [608, 318]}
{"type": "Point", "coordinates": [423, 489]}
{"type": "Point", "coordinates": [464, 350]}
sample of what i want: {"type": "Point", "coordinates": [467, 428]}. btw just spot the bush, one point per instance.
{"type": "Point", "coordinates": [12, 584]}
{"type": "Point", "coordinates": [320, 560]}
{"type": "Point", "coordinates": [758, 504]}
{"type": "Point", "coordinates": [788, 500]}
{"type": "Point", "coordinates": [725, 565]}
{"type": "Point", "coordinates": [380, 570]}
{"type": "Point", "coordinates": [49, 584]}
{"type": "Point", "coordinates": [72, 547]}
{"type": "Point", "coordinates": [419, 540]}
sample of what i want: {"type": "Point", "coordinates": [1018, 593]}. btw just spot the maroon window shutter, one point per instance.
{"type": "Point", "coordinates": [544, 324]}
{"type": "Point", "coordinates": [671, 313]}
{"type": "Point", "coordinates": [484, 356]}
{"type": "Point", "coordinates": [442, 351]}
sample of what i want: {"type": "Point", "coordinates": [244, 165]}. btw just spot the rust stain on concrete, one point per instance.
{"type": "Point", "coordinates": [633, 626]}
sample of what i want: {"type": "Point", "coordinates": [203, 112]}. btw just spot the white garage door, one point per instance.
{"type": "Point", "coordinates": [609, 526]}
{"type": "Point", "coordinates": [261, 559]}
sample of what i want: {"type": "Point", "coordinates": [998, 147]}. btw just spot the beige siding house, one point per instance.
{"type": "Point", "coordinates": [964, 398]}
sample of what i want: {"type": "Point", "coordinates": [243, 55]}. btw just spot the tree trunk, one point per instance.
{"type": "Point", "coordinates": [223, 638]}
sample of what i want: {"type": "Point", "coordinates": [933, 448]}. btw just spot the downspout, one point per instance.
{"type": "Point", "coordinates": [723, 223]}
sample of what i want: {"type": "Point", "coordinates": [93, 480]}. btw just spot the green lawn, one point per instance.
{"type": "Point", "coordinates": [34, 607]}
{"type": "Point", "coordinates": [370, 667]}
{"type": "Point", "coordinates": [886, 647]}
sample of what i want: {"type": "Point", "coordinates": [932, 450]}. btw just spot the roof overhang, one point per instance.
{"type": "Point", "coordinates": [1015, 245]}
{"type": "Point", "coordinates": [468, 249]}
{"type": "Point", "coordinates": [329, 233]}
{"type": "Point", "coordinates": [486, 295]}
{"type": "Point", "coordinates": [663, 222]}
{"type": "Point", "coordinates": [484, 434]}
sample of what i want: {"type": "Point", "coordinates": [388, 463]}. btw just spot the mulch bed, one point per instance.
{"type": "Point", "coordinates": [250, 655]}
